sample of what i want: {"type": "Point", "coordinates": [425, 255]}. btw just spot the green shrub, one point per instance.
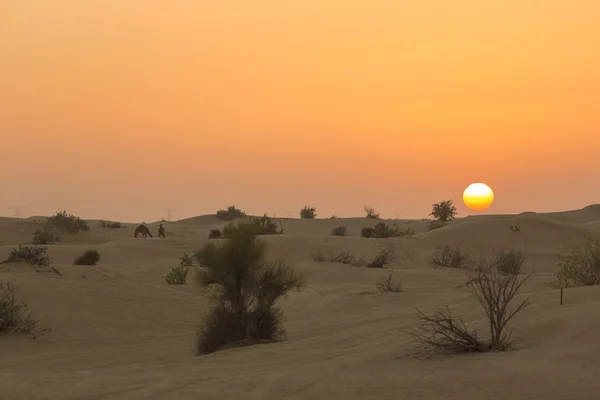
{"type": "Point", "coordinates": [68, 222]}
{"type": "Point", "coordinates": [34, 255]}
{"type": "Point", "coordinates": [45, 237]}
{"type": "Point", "coordinates": [244, 289]}
{"type": "Point", "coordinates": [580, 267]}
{"type": "Point", "coordinates": [89, 257]}
{"type": "Point", "coordinates": [443, 211]}
{"type": "Point", "coordinates": [185, 260]}
{"type": "Point", "coordinates": [230, 213]}
{"type": "Point", "coordinates": [339, 231]}
{"type": "Point", "coordinates": [13, 311]}
{"type": "Point", "coordinates": [308, 212]}
{"type": "Point", "coordinates": [178, 275]}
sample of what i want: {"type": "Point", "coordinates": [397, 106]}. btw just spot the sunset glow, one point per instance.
{"type": "Point", "coordinates": [478, 196]}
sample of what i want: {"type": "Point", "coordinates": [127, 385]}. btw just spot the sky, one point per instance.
{"type": "Point", "coordinates": [121, 109]}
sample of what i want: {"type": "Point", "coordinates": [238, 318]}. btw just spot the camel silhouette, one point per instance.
{"type": "Point", "coordinates": [143, 230]}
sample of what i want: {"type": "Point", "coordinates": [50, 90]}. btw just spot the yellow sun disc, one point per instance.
{"type": "Point", "coordinates": [478, 196]}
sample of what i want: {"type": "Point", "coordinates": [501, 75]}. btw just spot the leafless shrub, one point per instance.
{"type": "Point", "coordinates": [449, 257]}
{"type": "Point", "coordinates": [343, 258]}
{"type": "Point", "coordinates": [387, 284]}
{"type": "Point", "coordinates": [13, 311]}
{"type": "Point", "coordinates": [370, 212]}
{"type": "Point", "coordinates": [382, 259]}
{"type": "Point", "coordinates": [580, 267]}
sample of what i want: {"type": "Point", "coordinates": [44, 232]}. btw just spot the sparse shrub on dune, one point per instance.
{"type": "Point", "coordinates": [42, 236]}
{"type": "Point", "coordinates": [495, 292]}
{"type": "Point", "coordinates": [382, 259]}
{"type": "Point", "coordinates": [370, 212]}
{"type": "Point", "coordinates": [443, 211]}
{"type": "Point", "coordinates": [110, 224]}
{"type": "Point", "coordinates": [382, 230]}
{"type": "Point", "coordinates": [387, 284]}
{"type": "Point", "coordinates": [185, 260]}
{"type": "Point", "coordinates": [339, 231]}
{"type": "Point", "coordinates": [333, 217]}
{"type": "Point", "coordinates": [68, 223]}
{"type": "Point", "coordinates": [245, 289]}
{"type": "Point", "coordinates": [264, 225]}
{"type": "Point", "coordinates": [89, 257]}
{"type": "Point", "coordinates": [509, 261]}
{"type": "Point", "coordinates": [366, 232]}
{"type": "Point", "coordinates": [449, 257]}
{"type": "Point", "coordinates": [215, 234]}
{"type": "Point", "coordinates": [435, 225]}
{"type": "Point", "coordinates": [308, 212]}
{"type": "Point", "coordinates": [34, 255]}
{"type": "Point", "coordinates": [580, 266]}
{"type": "Point", "coordinates": [230, 213]}
{"type": "Point", "coordinates": [13, 311]}
{"type": "Point", "coordinates": [178, 275]}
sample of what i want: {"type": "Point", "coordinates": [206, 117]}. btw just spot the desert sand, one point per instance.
{"type": "Point", "coordinates": [118, 331]}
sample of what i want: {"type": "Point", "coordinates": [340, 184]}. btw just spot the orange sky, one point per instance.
{"type": "Point", "coordinates": [121, 108]}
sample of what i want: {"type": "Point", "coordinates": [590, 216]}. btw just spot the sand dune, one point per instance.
{"type": "Point", "coordinates": [120, 332]}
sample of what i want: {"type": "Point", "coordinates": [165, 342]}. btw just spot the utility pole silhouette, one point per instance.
{"type": "Point", "coordinates": [169, 214]}
{"type": "Point", "coordinates": [17, 209]}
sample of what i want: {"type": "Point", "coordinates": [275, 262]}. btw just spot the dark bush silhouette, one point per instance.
{"type": "Point", "coordinates": [185, 260]}
{"type": "Point", "coordinates": [264, 225]}
{"type": "Point", "coordinates": [45, 237]}
{"type": "Point", "coordinates": [110, 224]}
{"type": "Point", "coordinates": [215, 234]}
{"type": "Point", "coordinates": [435, 225]}
{"type": "Point", "coordinates": [339, 231]}
{"type": "Point", "coordinates": [230, 213]}
{"type": "Point", "coordinates": [13, 311]}
{"type": "Point", "coordinates": [89, 257]}
{"type": "Point", "coordinates": [443, 211]}
{"type": "Point", "coordinates": [308, 212]}
{"type": "Point", "coordinates": [449, 257]}
{"type": "Point", "coordinates": [382, 230]}
{"type": "Point", "coordinates": [245, 290]}
{"type": "Point", "coordinates": [366, 232]}
{"type": "Point", "coordinates": [509, 261]}
{"type": "Point", "coordinates": [34, 255]}
{"type": "Point", "coordinates": [370, 212]}
{"type": "Point", "coordinates": [580, 266]}
{"type": "Point", "coordinates": [68, 223]}
{"type": "Point", "coordinates": [178, 275]}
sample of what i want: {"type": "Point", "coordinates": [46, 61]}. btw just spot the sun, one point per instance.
{"type": "Point", "coordinates": [478, 196]}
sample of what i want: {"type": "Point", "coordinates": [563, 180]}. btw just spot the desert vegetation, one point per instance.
{"type": "Point", "coordinates": [68, 223]}
{"type": "Point", "coordinates": [443, 211]}
{"type": "Point", "coordinates": [89, 257]}
{"type": "Point", "coordinates": [13, 310]}
{"type": "Point", "coordinates": [215, 234]}
{"type": "Point", "coordinates": [230, 213]}
{"type": "Point", "coordinates": [495, 291]}
{"type": "Point", "coordinates": [388, 284]}
{"type": "Point", "coordinates": [370, 212]}
{"type": "Point", "coordinates": [308, 212]}
{"type": "Point", "coordinates": [382, 259]}
{"type": "Point", "coordinates": [179, 274]}
{"type": "Point", "coordinates": [34, 255]}
{"type": "Point", "coordinates": [339, 231]}
{"type": "Point", "coordinates": [264, 225]}
{"type": "Point", "coordinates": [382, 230]}
{"type": "Point", "coordinates": [579, 265]}
{"type": "Point", "coordinates": [44, 236]}
{"type": "Point", "coordinates": [450, 257]}
{"type": "Point", "coordinates": [245, 289]}
{"type": "Point", "coordinates": [110, 224]}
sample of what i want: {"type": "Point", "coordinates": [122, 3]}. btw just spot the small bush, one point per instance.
{"type": "Point", "coordinates": [230, 213]}
{"type": "Point", "coordinates": [245, 290]}
{"type": "Point", "coordinates": [382, 259]}
{"type": "Point", "coordinates": [443, 211]}
{"type": "Point", "coordinates": [448, 257]}
{"type": "Point", "coordinates": [45, 237]}
{"type": "Point", "coordinates": [366, 232]}
{"type": "Point", "coordinates": [370, 213]}
{"type": "Point", "coordinates": [580, 267]}
{"type": "Point", "coordinates": [333, 217]}
{"type": "Point", "coordinates": [215, 234]}
{"type": "Point", "coordinates": [383, 230]}
{"type": "Point", "coordinates": [343, 258]}
{"type": "Point", "coordinates": [89, 257]}
{"type": "Point", "coordinates": [185, 260]}
{"type": "Point", "coordinates": [387, 284]}
{"type": "Point", "coordinates": [509, 262]}
{"type": "Point", "coordinates": [33, 255]}
{"type": "Point", "coordinates": [68, 222]}
{"type": "Point", "coordinates": [13, 316]}
{"type": "Point", "coordinates": [178, 275]}
{"type": "Point", "coordinates": [264, 225]}
{"type": "Point", "coordinates": [308, 212]}
{"type": "Point", "coordinates": [406, 232]}
{"type": "Point", "coordinates": [435, 225]}
{"type": "Point", "coordinates": [339, 231]}
{"type": "Point", "coordinates": [110, 224]}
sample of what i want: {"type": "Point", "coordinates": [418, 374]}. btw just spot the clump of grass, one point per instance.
{"type": "Point", "coordinates": [449, 257]}
{"type": "Point", "coordinates": [215, 234]}
{"type": "Point", "coordinates": [264, 225]}
{"type": "Point", "coordinates": [245, 289]}
{"type": "Point", "coordinates": [435, 225]}
{"type": "Point", "coordinates": [343, 258]}
{"type": "Point", "coordinates": [34, 255]}
{"type": "Point", "coordinates": [45, 237]}
{"type": "Point", "coordinates": [580, 266]}
{"type": "Point", "coordinates": [178, 275]}
{"type": "Point", "coordinates": [89, 257]}
{"type": "Point", "coordinates": [387, 284]}
{"type": "Point", "coordinates": [68, 223]}
{"type": "Point", "coordinates": [185, 260]}
{"type": "Point", "coordinates": [230, 213]}
{"type": "Point", "coordinates": [13, 311]}
{"type": "Point", "coordinates": [382, 259]}
{"type": "Point", "coordinates": [110, 224]}
{"type": "Point", "coordinates": [308, 212]}
{"type": "Point", "coordinates": [339, 231]}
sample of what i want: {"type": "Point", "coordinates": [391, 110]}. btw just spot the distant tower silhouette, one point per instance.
{"type": "Point", "coordinates": [17, 209]}
{"type": "Point", "coordinates": [169, 214]}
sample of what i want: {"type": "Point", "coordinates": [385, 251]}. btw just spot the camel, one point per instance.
{"type": "Point", "coordinates": [142, 229]}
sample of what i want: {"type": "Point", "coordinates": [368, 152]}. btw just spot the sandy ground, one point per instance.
{"type": "Point", "coordinates": [118, 331]}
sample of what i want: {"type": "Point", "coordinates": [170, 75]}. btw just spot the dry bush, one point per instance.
{"type": "Point", "coordinates": [339, 231]}
{"type": "Point", "coordinates": [449, 257]}
{"type": "Point", "coordinates": [42, 236]}
{"type": "Point", "coordinates": [382, 259]}
{"type": "Point", "coordinates": [308, 212]}
{"type": "Point", "coordinates": [509, 261]}
{"type": "Point", "coordinates": [34, 255]}
{"type": "Point", "coordinates": [435, 225]}
{"type": "Point", "coordinates": [185, 260]}
{"type": "Point", "coordinates": [215, 234]}
{"type": "Point", "coordinates": [495, 292]}
{"type": "Point", "coordinates": [366, 232]}
{"type": "Point", "coordinates": [343, 258]}
{"type": "Point", "coordinates": [580, 267]}
{"type": "Point", "coordinates": [387, 284]}
{"type": "Point", "coordinates": [110, 224]}
{"type": "Point", "coordinates": [317, 256]}
{"type": "Point", "coordinates": [245, 289]}
{"type": "Point", "coordinates": [13, 311]}
{"type": "Point", "coordinates": [443, 211]}
{"type": "Point", "coordinates": [68, 223]}
{"type": "Point", "coordinates": [370, 212]}
{"type": "Point", "coordinates": [264, 225]}
{"type": "Point", "coordinates": [89, 257]}
{"type": "Point", "coordinates": [382, 230]}
{"type": "Point", "coordinates": [178, 275]}
{"type": "Point", "coordinates": [230, 213]}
